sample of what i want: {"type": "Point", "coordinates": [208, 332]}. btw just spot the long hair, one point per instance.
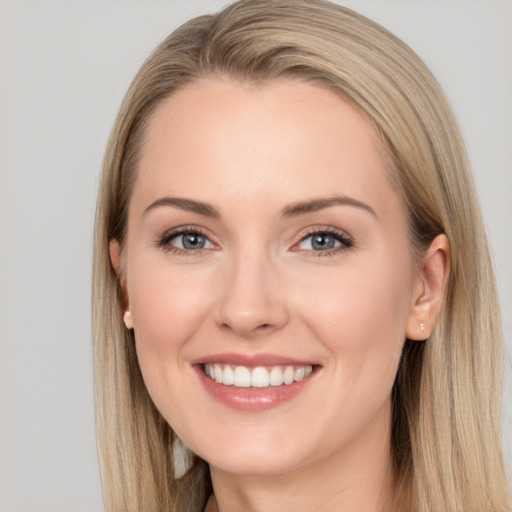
{"type": "Point", "coordinates": [446, 441]}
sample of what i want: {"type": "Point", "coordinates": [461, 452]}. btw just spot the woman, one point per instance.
{"type": "Point", "coordinates": [287, 226]}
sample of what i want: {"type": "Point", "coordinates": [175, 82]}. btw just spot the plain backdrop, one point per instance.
{"type": "Point", "coordinates": [64, 67]}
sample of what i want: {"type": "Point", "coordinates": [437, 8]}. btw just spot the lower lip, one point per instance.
{"type": "Point", "coordinates": [252, 399]}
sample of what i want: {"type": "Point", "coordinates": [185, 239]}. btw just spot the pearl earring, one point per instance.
{"type": "Point", "coordinates": [128, 320]}
{"type": "Point", "coordinates": [422, 327]}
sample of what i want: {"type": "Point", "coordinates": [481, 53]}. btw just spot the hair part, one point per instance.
{"type": "Point", "coordinates": [446, 398]}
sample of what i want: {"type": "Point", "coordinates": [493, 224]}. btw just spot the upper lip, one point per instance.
{"type": "Point", "coordinates": [251, 360]}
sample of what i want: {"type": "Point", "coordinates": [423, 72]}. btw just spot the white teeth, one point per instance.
{"type": "Point", "coordinates": [242, 377]}
{"type": "Point", "coordinates": [276, 376]}
{"type": "Point", "coordinates": [299, 374]}
{"type": "Point", "coordinates": [289, 375]}
{"type": "Point", "coordinates": [219, 374]}
{"type": "Point", "coordinates": [229, 376]}
{"type": "Point", "coordinates": [258, 377]}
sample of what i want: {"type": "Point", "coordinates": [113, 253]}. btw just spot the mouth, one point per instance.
{"type": "Point", "coordinates": [254, 383]}
{"type": "Point", "coordinates": [256, 377]}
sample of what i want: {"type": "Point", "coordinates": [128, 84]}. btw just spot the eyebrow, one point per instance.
{"type": "Point", "coordinates": [314, 205]}
{"type": "Point", "coordinates": [293, 210]}
{"type": "Point", "coordinates": [188, 205]}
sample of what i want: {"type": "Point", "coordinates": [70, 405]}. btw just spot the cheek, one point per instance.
{"type": "Point", "coordinates": [167, 305]}
{"type": "Point", "coordinates": [360, 315]}
{"type": "Point", "coordinates": [166, 302]}
{"type": "Point", "coordinates": [350, 302]}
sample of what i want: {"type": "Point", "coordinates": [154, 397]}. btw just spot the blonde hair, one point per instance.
{"type": "Point", "coordinates": [446, 398]}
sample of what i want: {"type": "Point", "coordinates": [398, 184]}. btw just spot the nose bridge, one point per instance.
{"type": "Point", "coordinates": [251, 299]}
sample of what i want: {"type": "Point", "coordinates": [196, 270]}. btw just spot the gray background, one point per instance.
{"type": "Point", "coordinates": [64, 67]}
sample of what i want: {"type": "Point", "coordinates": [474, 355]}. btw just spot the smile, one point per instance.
{"type": "Point", "coordinates": [255, 383]}
{"type": "Point", "coordinates": [257, 377]}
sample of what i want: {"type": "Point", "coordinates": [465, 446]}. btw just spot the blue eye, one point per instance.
{"type": "Point", "coordinates": [319, 242]}
{"type": "Point", "coordinates": [186, 241]}
{"type": "Point", "coordinates": [322, 241]}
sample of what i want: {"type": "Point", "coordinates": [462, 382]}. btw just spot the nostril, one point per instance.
{"type": "Point", "coordinates": [262, 327]}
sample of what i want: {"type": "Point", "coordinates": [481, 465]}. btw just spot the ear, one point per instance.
{"type": "Point", "coordinates": [429, 289]}
{"type": "Point", "coordinates": [116, 260]}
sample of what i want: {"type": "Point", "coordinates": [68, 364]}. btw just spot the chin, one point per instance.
{"type": "Point", "coordinates": [264, 456]}
{"type": "Point", "coordinates": [255, 466]}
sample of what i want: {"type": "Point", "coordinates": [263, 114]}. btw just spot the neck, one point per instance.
{"type": "Point", "coordinates": [359, 476]}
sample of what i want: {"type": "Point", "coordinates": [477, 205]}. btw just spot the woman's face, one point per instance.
{"type": "Point", "coordinates": [267, 246]}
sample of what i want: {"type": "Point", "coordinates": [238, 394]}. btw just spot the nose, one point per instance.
{"type": "Point", "coordinates": [252, 300]}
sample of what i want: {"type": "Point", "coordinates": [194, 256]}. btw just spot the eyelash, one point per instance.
{"type": "Point", "coordinates": [164, 242]}
{"type": "Point", "coordinates": [345, 240]}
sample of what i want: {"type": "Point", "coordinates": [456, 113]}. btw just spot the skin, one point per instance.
{"type": "Point", "coordinates": [259, 286]}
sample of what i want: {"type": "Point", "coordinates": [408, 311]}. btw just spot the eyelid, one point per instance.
{"type": "Point", "coordinates": [346, 240]}
{"type": "Point", "coordinates": [163, 240]}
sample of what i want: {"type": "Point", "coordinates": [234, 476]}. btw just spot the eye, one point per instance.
{"type": "Point", "coordinates": [325, 241]}
{"type": "Point", "coordinates": [186, 241]}
{"type": "Point", "coordinates": [191, 241]}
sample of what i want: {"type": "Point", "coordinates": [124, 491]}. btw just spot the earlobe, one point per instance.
{"type": "Point", "coordinates": [428, 296]}
{"type": "Point", "coordinates": [128, 320]}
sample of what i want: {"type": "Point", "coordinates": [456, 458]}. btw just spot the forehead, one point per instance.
{"type": "Point", "coordinates": [282, 138]}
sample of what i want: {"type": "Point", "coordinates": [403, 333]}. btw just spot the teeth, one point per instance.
{"type": "Point", "coordinates": [229, 376]}
{"type": "Point", "coordinates": [259, 377]}
{"type": "Point", "coordinates": [242, 377]}
{"type": "Point", "coordinates": [289, 375]}
{"type": "Point", "coordinates": [276, 376]}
